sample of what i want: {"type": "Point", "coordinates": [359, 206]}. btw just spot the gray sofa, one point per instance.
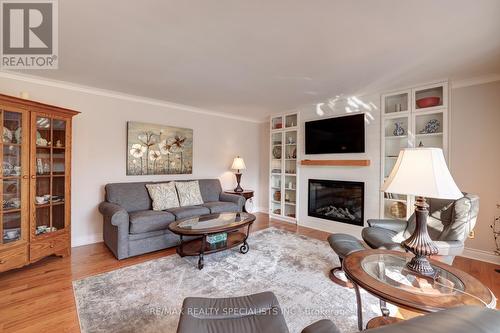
{"type": "Point", "coordinates": [131, 227]}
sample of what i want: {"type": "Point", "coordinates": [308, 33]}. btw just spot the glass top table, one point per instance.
{"type": "Point", "coordinates": [203, 228]}
{"type": "Point", "coordinates": [383, 273]}
{"type": "Point", "coordinates": [212, 223]}
{"type": "Point", "coordinates": [391, 270]}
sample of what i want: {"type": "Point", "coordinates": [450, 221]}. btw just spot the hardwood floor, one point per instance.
{"type": "Point", "coordinates": [39, 298]}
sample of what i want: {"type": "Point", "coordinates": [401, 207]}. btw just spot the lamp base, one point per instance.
{"type": "Point", "coordinates": [419, 243]}
{"type": "Point", "coordinates": [238, 180]}
{"type": "Point", "coordinates": [421, 265]}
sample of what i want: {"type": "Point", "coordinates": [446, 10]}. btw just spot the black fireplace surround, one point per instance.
{"type": "Point", "coordinates": [337, 200]}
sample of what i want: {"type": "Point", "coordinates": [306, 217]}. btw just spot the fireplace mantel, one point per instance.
{"type": "Point", "coordinates": [336, 162]}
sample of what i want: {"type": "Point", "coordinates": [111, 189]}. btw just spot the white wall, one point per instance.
{"type": "Point", "coordinates": [99, 145]}
{"type": "Point", "coordinates": [369, 175]}
{"type": "Point", "coordinates": [475, 153]}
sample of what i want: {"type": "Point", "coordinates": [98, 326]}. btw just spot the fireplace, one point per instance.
{"type": "Point", "coordinates": [337, 200]}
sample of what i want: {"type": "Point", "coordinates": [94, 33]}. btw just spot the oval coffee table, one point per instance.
{"type": "Point", "coordinates": [211, 224]}
{"type": "Point", "coordinates": [383, 274]}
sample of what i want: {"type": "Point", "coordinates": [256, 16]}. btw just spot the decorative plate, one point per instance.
{"type": "Point", "coordinates": [7, 135]}
{"type": "Point", "coordinates": [277, 152]}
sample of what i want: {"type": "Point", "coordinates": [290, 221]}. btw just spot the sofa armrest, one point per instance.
{"type": "Point", "coordinates": [321, 326]}
{"type": "Point", "coordinates": [237, 199]}
{"type": "Point", "coordinates": [116, 214]}
{"type": "Point", "coordinates": [389, 224]}
{"type": "Point", "coordinates": [115, 228]}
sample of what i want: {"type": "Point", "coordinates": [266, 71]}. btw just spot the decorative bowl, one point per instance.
{"type": "Point", "coordinates": [428, 102]}
{"type": "Point", "coordinates": [12, 234]}
{"type": "Point", "coordinates": [40, 200]}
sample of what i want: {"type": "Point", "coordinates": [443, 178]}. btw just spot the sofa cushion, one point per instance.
{"type": "Point", "coordinates": [221, 206]}
{"type": "Point", "coordinates": [130, 196]}
{"type": "Point", "coordinates": [210, 189]}
{"type": "Point", "coordinates": [149, 220]}
{"type": "Point", "coordinates": [189, 211]}
{"type": "Point", "coordinates": [164, 195]}
{"type": "Point", "coordinates": [189, 193]}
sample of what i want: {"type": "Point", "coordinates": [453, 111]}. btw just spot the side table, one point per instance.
{"type": "Point", "coordinates": [383, 274]}
{"type": "Point", "coordinates": [247, 194]}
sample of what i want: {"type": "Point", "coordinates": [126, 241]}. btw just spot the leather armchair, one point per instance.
{"type": "Point", "coordinates": [448, 224]}
{"type": "Point", "coordinates": [257, 313]}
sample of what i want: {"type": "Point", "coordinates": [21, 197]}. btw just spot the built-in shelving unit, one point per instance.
{"type": "Point", "coordinates": [283, 170]}
{"type": "Point", "coordinates": [407, 122]}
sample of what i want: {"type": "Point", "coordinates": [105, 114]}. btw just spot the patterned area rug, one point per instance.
{"type": "Point", "coordinates": [147, 297]}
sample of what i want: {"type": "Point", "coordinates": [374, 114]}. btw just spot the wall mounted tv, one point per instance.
{"type": "Point", "coordinates": [337, 135]}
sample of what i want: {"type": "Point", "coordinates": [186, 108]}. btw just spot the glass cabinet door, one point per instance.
{"type": "Point", "coordinates": [50, 165]}
{"type": "Point", "coordinates": [14, 183]}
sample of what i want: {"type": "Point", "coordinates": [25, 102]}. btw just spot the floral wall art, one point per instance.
{"type": "Point", "coordinates": [158, 150]}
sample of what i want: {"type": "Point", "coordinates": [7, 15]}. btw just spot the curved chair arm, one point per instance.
{"type": "Point", "coordinates": [389, 224]}
{"type": "Point", "coordinates": [321, 326]}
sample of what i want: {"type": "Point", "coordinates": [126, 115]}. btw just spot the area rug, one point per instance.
{"type": "Point", "coordinates": [147, 297]}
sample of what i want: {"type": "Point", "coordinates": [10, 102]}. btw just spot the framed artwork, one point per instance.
{"type": "Point", "coordinates": [158, 150]}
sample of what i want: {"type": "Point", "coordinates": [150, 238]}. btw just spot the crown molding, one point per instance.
{"type": "Point", "coordinates": [118, 95]}
{"type": "Point", "coordinates": [474, 81]}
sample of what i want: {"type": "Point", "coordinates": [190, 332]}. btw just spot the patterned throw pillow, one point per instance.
{"type": "Point", "coordinates": [164, 195]}
{"type": "Point", "coordinates": [189, 193]}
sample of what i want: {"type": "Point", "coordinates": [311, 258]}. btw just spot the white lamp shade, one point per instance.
{"type": "Point", "coordinates": [422, 172]}
{"type": "Point", "coordinates": [238, 164]}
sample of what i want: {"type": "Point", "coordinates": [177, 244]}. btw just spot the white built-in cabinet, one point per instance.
{"type": "Point", "coordinates": [401, 107]}
{"type": "Point", "coordinates": [283, 170]}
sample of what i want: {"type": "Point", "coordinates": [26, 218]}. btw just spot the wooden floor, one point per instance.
{"type": "Point", "coordinates": [39, 298]}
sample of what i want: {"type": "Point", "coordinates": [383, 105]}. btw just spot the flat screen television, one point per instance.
{"type": "Point", "coordinates": [337, 135]}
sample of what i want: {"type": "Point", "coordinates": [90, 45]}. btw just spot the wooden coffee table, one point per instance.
{"type": "Point", "coordinates": [382, 273]}
{"type": "Point", "coordinates": [202, 226]}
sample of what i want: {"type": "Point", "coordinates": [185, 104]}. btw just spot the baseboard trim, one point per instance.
{"type": "Point", "coordinates": [86, 240]}
{"type": "Point", "coordinates": [481, 255]}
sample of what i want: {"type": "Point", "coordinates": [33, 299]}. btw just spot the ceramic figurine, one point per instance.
{"type": "Point", "coordinates": [399, 130]}
{"type": "Point", "coordinates": [432, 126]}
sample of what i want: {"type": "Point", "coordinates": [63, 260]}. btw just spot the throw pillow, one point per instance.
{"type": "Point", "coordinates": [164, 195]}
{"type": "Point", "coordinates": [189, 193]}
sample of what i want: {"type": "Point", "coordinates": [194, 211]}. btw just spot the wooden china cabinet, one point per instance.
{"type": "Point", "coordinates": [35, 184]}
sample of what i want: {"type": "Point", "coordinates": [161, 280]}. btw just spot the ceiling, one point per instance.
{"type": "Point", "coordinates": [257, 57]}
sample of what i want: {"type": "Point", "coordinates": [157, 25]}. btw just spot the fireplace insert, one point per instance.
{"type": "Point", "coordinates": [336, 200]}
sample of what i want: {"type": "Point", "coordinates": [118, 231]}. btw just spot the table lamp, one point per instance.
{"type": "Point", "coordinates": [421, 172]}
{"type": "Point", "coordinates": [238, 164]}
